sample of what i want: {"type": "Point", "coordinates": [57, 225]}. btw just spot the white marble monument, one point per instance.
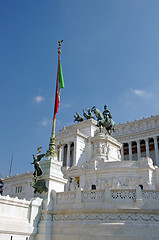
{"type": "Point", "coordinates": [95, 196]}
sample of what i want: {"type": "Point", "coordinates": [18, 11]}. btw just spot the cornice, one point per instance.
{"type": "Point", "coordinates": [144, 127]}
{"type": "Point", "coordinates": [18, 176]}
{"type": "Point", "coordinates": [67, 134]}
{"type": "Point", "coordinates": [72, 128]}
{"type": "Point", "coordinates": [137, 135]}
{"type": "Point", "coordinates": [139, 121]}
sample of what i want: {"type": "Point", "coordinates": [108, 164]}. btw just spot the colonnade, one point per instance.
{"type": "Point", "coordinates": [147, 147]}
{"type": "Point", "coordinates": [66, 154]}
{"type": "Point", "coordinates": [131, 150]}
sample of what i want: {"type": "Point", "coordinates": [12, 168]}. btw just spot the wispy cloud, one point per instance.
{"type": "Point", "coordinates": [142, 93]}
{"type": "Point", "coordinates": [45, 121]}
{"type": "Point", "coordinates": [65, 105]}
{"type": "Point", "coordinates": [39, 99]}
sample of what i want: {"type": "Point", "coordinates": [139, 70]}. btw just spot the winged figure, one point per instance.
{"type": "Point", "coordinates": [38, 171]}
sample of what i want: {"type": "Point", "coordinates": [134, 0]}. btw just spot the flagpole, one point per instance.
{"type": "Point", "coordinates": [52, 151]}
{"type": "Point", "coordinates": [11, 165]}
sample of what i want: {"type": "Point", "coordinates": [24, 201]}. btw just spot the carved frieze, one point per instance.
{"type": "Point", "coordinates": [107, 217]}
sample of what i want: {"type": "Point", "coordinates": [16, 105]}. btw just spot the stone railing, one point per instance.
{"type": "Point", "coordinates": [86, 195]}
{"type": "Point", "coordinates": [123, 194]}
{"type": "Point", "coordinates": [150, 195]}
{"type": "Point", "coordinates": [129, 195]}
{"type": "Point", "coordinates": [64, 197]}
{"type": "Point", "coordinates": [93, 195]}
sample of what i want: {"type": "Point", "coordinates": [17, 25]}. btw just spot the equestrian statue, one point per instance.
{"type": "Point", "coordinates": [103, 119]}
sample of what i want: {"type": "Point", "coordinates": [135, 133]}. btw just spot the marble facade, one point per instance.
{"type": "Point", "coordinates": [93, 192]}
{"type": "Point", "coordinates": [19, 186]}
{"type": "Point", "coordinates": [140, 138]}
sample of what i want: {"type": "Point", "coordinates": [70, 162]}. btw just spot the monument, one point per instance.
{"type": "Point", "coordinates": [104, 197]}
{"type": "Point", "coordinates": [83, 190]}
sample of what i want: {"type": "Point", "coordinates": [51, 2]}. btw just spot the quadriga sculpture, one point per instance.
{"type": "Point", "coordinates": [89, 114]}
{"type": "Point", "coordinates": [103, 119]}
{"type": "Point", "coordinates": [78, 117]}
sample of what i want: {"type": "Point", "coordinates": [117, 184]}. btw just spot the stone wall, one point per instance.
{"type": "Point", "coordinates": [104, 214]}
{"type": "Point", "coordinates": [18, 218]}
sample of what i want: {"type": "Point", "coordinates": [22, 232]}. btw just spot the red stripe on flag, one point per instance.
{"type": "Point", "coordinates": [56, 104]}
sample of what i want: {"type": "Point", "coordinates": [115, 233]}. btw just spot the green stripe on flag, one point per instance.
{"type": "Point", "coordinates": [61, 81]}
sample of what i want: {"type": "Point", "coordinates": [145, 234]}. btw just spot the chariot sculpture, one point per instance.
{"type": "Point", "coordinates": [103, 119]}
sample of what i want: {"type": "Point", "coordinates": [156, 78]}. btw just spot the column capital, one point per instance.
{"type": "Point", "coordinates": [155, 137]}
{"type": "Point", "coordinates": [146, 139]}
{"type": "Point", "coordinates": [59, 146]}
{"type": "Point", "coordinates": [68, 144]}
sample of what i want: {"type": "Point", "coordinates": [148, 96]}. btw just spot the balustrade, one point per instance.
{"type": "Point", "coordinates": [99, 196]}
{"type": "Point", "coordinates": [150, 195]}
{"type": "Point", "coordinates": [92, 195]}
{"type": "Point", "coordinates": [123, 194]}
{"type": "Point", "coordinates": [66, 197]}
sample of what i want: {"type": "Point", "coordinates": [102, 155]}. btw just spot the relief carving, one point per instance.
{"type": "Point", "coordinates": [118, 183]}
{"type": "Point", "coordinates": [107, 217]}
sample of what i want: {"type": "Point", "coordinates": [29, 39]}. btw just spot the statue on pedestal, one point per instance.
{"type": "Point", "coordinates": [106, 114]}
{"type": "Point", "coordinates": [38, 185]}
{"type": "Point", "coordinates": [38, 171]}
{"type": "Point", "coordinates": [104, 119]}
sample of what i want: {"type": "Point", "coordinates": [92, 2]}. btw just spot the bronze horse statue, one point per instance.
{"type": "Point", "coordinates": [89, 114]}
{"type": "Point", "coordinates": [106, 122]}
{"type": "Point", "coordinates": [78, 117]}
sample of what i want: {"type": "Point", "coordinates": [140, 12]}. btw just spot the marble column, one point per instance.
{"type": "Point", "coordinates": [122, 153]}
{"type": "Point", "coordinates": [89, 152]}
{"type": "Point", "coordinates": [138, 149]}
{"type": "Point", "coordinates": [156, 150]}
{"type": "Point", "coordinates": [60, 153]}
{"type": "Point", "coordinates": [147, 148]}
{"type": "Point", "coordinates": [130, 151]}
{"type": "Point", "coordinates": [68, 155]}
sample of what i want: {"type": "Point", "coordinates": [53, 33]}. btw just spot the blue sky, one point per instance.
{"type": "Point", "coordinates": [110, 55]}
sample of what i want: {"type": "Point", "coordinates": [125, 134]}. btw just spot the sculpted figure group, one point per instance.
{"type": "Point", "coordinates": [103, 119]}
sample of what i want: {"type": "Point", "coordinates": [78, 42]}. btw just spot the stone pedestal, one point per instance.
{"type": "Point", "coordinates": [105, 148]}
{"type": "Point", "coordinates": [54, 181]}
{"type": "Point", "coordinates": [52, 174]}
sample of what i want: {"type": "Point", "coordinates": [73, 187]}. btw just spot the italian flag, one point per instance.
{"type": "Point", "coordinates": [60, 84]}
